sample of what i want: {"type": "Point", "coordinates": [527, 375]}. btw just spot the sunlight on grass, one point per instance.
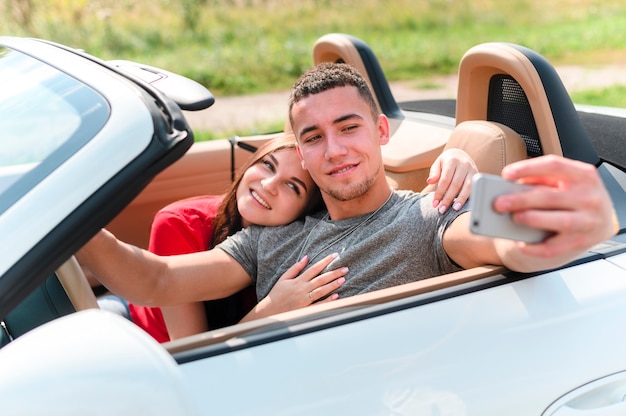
{"type": "Point", "coordinates": [614, 96]}
{"type": "Point", "coordinates": [251, 46]}
{"type": "Point", "coordinates": [241, 47]}
{"type": "Point", "coordinates": [265, 128]}
{"type": "Point", "coordinates": [428, 85]}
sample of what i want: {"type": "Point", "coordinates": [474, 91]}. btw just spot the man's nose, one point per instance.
{"type": "Point", "coordinates": [334, 147]}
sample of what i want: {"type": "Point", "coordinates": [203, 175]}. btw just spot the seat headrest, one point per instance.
{"type": "Point", "coordinates": [492, 145]}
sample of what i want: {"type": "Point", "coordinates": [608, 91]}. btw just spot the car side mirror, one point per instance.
{"type": "Point", "coordinates": [187, 93]}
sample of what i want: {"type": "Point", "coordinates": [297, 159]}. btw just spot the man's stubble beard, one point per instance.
{"type": "Point", "coordinates": [352, 191]}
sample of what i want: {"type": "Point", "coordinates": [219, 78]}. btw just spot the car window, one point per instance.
{"type": "Point", "coordinates": [45, 117]}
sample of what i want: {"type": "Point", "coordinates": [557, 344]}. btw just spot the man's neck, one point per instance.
{"type": "Point", "coordinates": [369, 202]}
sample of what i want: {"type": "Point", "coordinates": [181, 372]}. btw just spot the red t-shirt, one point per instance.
{"type": "Point", "coordinates": [182, 227]}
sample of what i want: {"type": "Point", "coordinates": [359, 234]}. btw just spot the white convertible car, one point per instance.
{"type": "Point", "coordinates": [88, 144]}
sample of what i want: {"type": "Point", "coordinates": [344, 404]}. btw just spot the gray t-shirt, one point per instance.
{"type": "Point", "coordinates": [400, 243]}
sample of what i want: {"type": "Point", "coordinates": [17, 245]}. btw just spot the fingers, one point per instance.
{"type": "Point", "coordinates": [298, 288]}
{"type": "Point", "coordinates": [327, 282]}
{"type": "Point", "coordinates": [565, 185]}
{"type": "Point", "coordinates": [293, 290]}
{"type": "Point", "coordinates": [458, 190]}
{"type": "Point", "coordinates": [549, 170]}
{"type": "Point", "coordinates": [435, 171]}
{"type": "Point", "coordinates": [539, 197]}
{"type": "Point", "coordinates": [563, 221]}
{"type": "Point", "coordinates": [319, 285]}
{"type": "Point", "coordinates": [296, 269]}
{"type": "Point", "coordinates": [456, 169]}
{"type": "Point", "coordinates": [560, 245]}
{"type": "Point", "coordinates": [318, 267]}
{"type": "Point", "coordinates": [570, 200]}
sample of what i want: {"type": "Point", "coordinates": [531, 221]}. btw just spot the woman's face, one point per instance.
{"type": "Point", "coordinates": [275, 190]}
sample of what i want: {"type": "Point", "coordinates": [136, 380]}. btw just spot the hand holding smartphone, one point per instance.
{"type": "Point", "coordinates": [485, 221]}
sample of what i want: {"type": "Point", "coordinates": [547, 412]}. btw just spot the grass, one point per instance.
{"type": "Point", "coordinates": [251, 46]}
{"type": "Point", "coordinates": [265, 128]}
{"type": "Point", "coordinates": [610, 97]}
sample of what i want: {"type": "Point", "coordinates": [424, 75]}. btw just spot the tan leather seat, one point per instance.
{"type": "Point", "coordinates": [517, 87]}
{"type": "Point", "coordinates": [339, 47]}
{"type": "Point", "coordinates": [492, 145]}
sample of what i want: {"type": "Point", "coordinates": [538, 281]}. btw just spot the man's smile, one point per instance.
{"type": "Point", "coordinates": [342, 169]}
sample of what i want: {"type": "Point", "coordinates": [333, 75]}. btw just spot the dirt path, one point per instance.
{"type": "Point", "coordinates": [246, 112]}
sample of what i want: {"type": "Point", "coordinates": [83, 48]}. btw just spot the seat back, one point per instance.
{"type": "Point", "coordinates": [341, 48]}
{"type": "Point", "coordinates": [491, 145]}
{"type": "Point", "coordinates": [47, 302]}
{"type": "Point", "coordinates": [519, 88]}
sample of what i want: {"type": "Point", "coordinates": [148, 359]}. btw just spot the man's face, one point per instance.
{"type": "Point", "coordinates": [339, 141]}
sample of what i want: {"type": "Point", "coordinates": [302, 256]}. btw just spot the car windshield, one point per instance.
{"type": "Point", "coordinates": [45, 117]}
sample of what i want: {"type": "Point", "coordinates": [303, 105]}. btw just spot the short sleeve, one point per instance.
{"type": "Point", "coordinates": [184, 227]}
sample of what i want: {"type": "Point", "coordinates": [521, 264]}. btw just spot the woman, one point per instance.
{"type": "Point", "coordinates": [272, 190]}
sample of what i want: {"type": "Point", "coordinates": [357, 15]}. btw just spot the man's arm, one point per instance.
{"type": "Point", "coordinates": [571, 202]}
{"type": "Point", "coordinates": [144, 278]}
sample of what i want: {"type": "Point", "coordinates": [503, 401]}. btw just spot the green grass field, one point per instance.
{"type": "Point", "coordinates": [251, 46]}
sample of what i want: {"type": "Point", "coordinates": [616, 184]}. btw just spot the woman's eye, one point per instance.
{"type": "Point", "coordinates": [294, 187]}
{"type": "Point", "coordinates": [269, 165]}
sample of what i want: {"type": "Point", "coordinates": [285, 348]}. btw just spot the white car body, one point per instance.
{"type": "Point", "coordinates": [498, 343]}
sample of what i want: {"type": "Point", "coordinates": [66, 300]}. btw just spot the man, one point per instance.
{"type": "Point", "coordinates": [383, 238]}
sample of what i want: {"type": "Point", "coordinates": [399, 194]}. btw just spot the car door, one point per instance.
{"type": "Point", "coordinates": [80, 139]}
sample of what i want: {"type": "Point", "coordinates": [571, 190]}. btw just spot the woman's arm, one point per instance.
{"type": "Point", "coordinates": [144, 278]}
{"type": "Point", "coordinates": [185, 226]}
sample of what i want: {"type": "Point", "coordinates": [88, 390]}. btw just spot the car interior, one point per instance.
{"type": "Point", "coordinates": [510, 105]}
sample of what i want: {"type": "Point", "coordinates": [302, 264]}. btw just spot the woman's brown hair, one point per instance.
{"type": "Point", "coordinates": [228, 220]}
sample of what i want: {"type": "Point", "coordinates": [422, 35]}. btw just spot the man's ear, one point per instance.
{"type": "Point", "coordinates": [299, 151]}
{"type": "Point", "coordinates": [383, 129]}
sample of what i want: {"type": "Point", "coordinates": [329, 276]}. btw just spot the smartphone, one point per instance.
{"type": "Point", "coordinates": [485, 221]}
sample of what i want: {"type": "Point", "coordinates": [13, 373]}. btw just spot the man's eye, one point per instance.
{"type": "Point", "coordinates": [311, 139]}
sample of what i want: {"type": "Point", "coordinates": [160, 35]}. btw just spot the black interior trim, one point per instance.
{"type": "Point", "coordinates": [387, 102]}
{"type": "Point", "coordinates": [574, 139]}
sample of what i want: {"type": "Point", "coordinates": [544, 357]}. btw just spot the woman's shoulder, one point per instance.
{"type": "Point", "coordinates": [288, 231]}
{"type": "Point", "coordinates": [200, 206]}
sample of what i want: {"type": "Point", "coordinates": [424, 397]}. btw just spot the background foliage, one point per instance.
{"type": "Point", "coordinates": [250, 46]}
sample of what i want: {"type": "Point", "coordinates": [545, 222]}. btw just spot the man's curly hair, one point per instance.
{"type": "Point", "coordinates": [326, 76]}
